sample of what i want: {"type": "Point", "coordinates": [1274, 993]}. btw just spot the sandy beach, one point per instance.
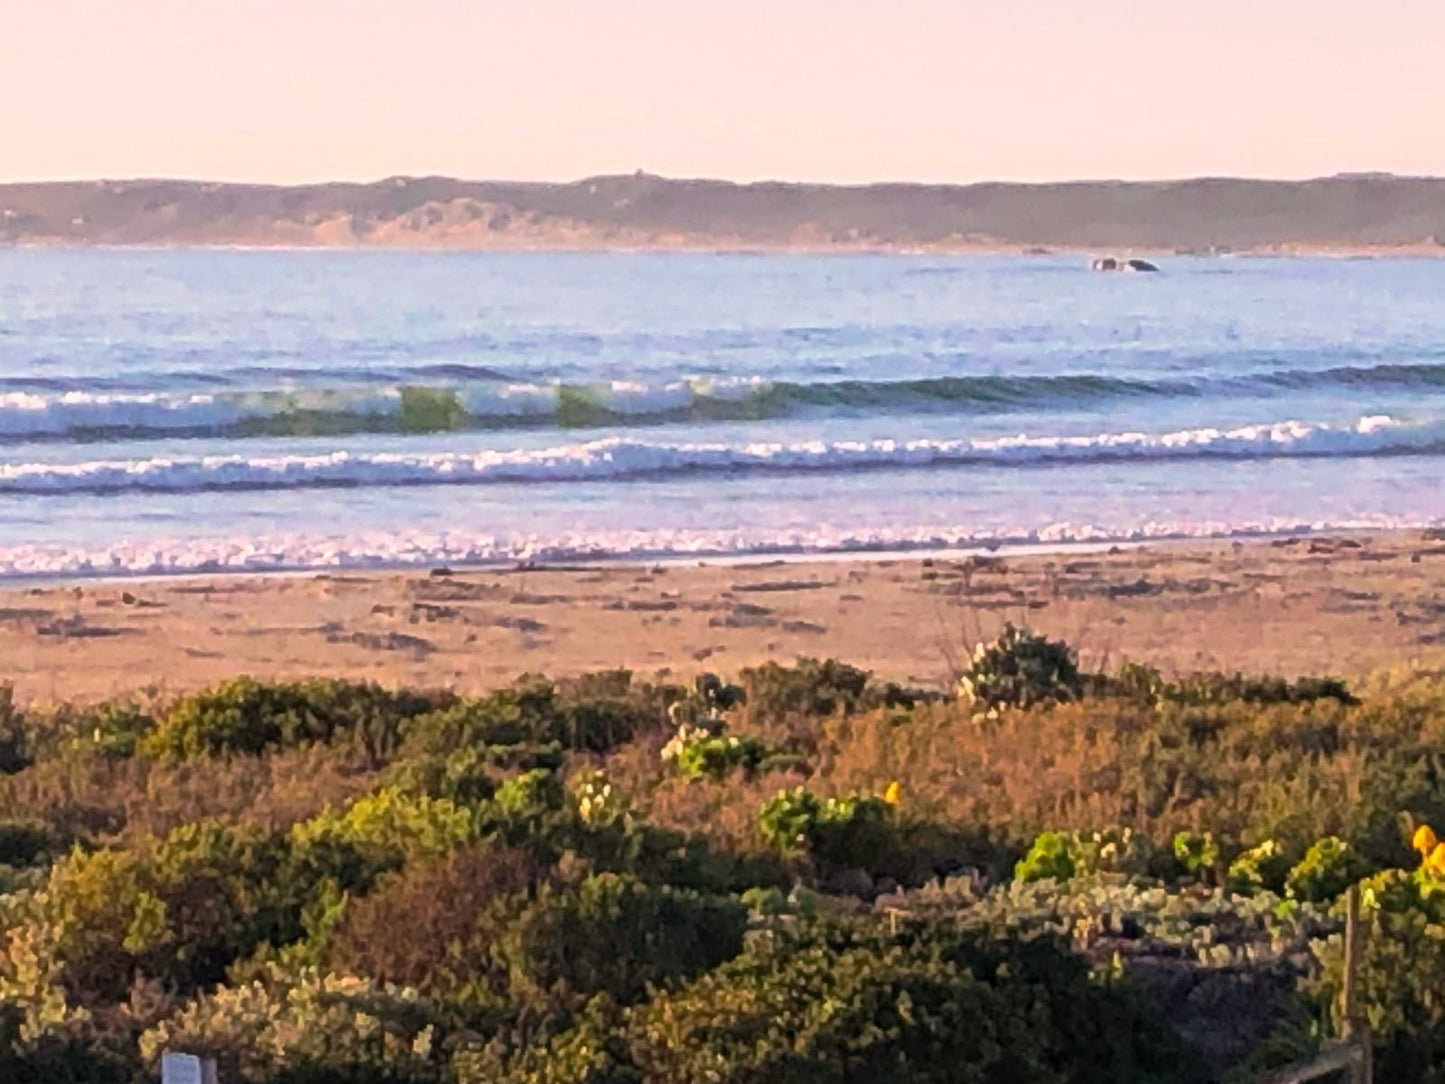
{"type": "Point", "coordinates": [1288, 606]}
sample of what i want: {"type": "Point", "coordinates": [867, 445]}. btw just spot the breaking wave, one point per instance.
{"type": "Point", "coordinates": [621, 459]}
{"type": "Point", "coordinates": [30, 413]}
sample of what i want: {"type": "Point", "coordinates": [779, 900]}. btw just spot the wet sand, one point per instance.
{"type": "Point", "coordinates": [1288, 606]}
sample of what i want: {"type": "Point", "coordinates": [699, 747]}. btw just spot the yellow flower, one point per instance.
{"type": "Point", "coordinates": [1436, 862]}
{"type": "Point", "coordinates": [894, 794]}
{"type": "Point", "coordinates": [1425, 841]}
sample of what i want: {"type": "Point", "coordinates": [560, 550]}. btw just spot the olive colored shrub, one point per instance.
{"type": "Point", "coordinates": [419, 926]}
{"type": "Point", "coordinates": [845, 1002]}
{"type": "Point", "coordinates": [1262, 868]}
{"type": "Point", "coordinates": [1147, 684]}
{"type": "Point", "coordinates": [244, 716]}
{"type": "Point", "coordinates": [307, 1028]}
{"type": "Point", "coordinates": [591, 714]}
{"type": "Point", "coordinates": [811, 687]}
{"type": "Point", "coordinates": [613, 934]}
{"type": "Point", "coordinates": [14, 752]}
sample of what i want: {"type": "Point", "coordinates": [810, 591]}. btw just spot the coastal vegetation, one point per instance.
{"type": "Point", "coordinates": [797, 873]}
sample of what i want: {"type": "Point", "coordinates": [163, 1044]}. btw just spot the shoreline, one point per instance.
{"type": "Point", "coordinates": [1345, 603]}
{"type": "Point", "coordinates": [780, 555]}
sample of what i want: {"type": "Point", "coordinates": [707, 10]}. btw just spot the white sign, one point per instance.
{"type": "Point", "coordinates": [187, 1069]}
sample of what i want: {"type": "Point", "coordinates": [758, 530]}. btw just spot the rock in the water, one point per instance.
{"type": "Point", "coordinates": [1113, 263]}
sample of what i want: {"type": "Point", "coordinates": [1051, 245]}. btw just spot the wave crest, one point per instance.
{"type": "Point", "coordinates": [621, 459]}
{"type": "Point", "coordinates": [28, 414]}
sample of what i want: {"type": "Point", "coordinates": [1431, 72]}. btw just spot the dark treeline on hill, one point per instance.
{"type": "Point", "coordinates": [1207, 214]}
{"type": "Point", "coordinates": [1046, 877]}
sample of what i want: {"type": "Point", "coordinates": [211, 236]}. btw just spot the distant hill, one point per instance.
{"type": "Point", "coordinates": [1345, 213]}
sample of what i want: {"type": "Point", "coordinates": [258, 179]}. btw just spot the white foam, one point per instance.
{"type": "Point", "coordinates": [400, 549]}
{"type": "Point", "coordinates": [616, 458]}
{"type": "Point", "coordinates": [24, 414]}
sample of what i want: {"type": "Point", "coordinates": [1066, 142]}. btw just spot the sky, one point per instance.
{"type": "Point", "coordinates": [849, 91]}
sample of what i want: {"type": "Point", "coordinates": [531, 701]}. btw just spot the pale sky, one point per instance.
{"type": "Point", "coordinates": [828, 90]}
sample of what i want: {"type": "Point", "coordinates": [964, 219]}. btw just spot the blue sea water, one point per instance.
{"type": "Point", "coordinates": [184, 410]}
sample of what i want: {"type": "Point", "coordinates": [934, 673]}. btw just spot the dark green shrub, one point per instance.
{"type": "Point", "coordinates": [1146, 684]}
{"type": "Point", "coordinates": [810, 688]}
{"type": "Point", "coordinates": [616, 935]}
{"type": "Point", "coordinates": [24, 842]}
{"type": "Point", "coordinates": [852, 832]}
{"type": "Point", "coordinates": [594, 713]}
{"type": "Point", "coordinates": [840, 1004]}
{"type": "Point", "coordinates": [14, 754]}
{"type": "Point", "coordinates": [245, 716]}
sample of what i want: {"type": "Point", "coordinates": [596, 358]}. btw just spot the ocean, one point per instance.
{"type": "Point", "coordinates": [209, 410]}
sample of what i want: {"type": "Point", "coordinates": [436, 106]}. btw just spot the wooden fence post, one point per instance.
{"type": "Point", "coordinates": [1353, 1053]}
{"type": "Point", "coordinates": [1356, 1026]}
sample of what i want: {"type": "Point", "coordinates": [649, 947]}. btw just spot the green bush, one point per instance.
{"type": "Point", "coordinates": [1402, 975]}
{"type": "Point", "coordinates": [246, 716]}
{"type": "Point", "coordinates": [848, 1003]}
{"type": "Point", "coordinates": [616, 935]}
{"type": "Point", "coordinates": [811, 687]}
{"type": "Point", "coordinates": [308, 1029]}
{"type": "Point", "coordinates": [1146, 684]}
{"type": "Point", "coordinates": [1327, 869]}
{"type": "Point", "coordinates": [1196, 852]}
{"type": "Point", "coordinates": [1050, 858]}
{"type": "Point", "coordinates": [595, 713]}
{"type": "Point", "coordinates": [702, 754]}
{"type": "Point", "coordinates": [704, 707]}
{"type": "Point", "coordinates": [179, 910]}
{"type": "Point", "coordinates": [1020, 668]}
{"type": "Point", "coordinates": [1262, 868]}
{"type": "Point", "coordinates": [390, 827]}
{"type": "Point", "coordinates": [1061, 856]}
{"type": "Point", "coordinates": [14, 754]}
{"type": "Point", "coordinates": [852, 832]}
{"type": "Point", "coordinates": [568, 912]}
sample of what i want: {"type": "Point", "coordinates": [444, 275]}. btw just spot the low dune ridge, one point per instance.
{"type": "Point", "coordinates": [1364, 213]}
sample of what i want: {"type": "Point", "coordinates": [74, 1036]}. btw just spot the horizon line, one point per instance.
{"type": "Point", "coordinates": [769, 182]}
